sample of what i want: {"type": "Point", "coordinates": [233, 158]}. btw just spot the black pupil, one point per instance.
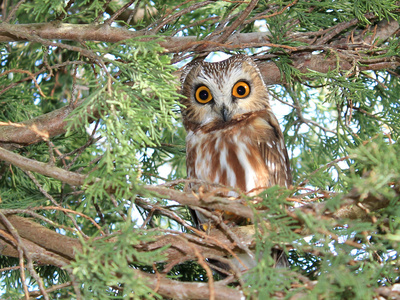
{"type": "Point", "coordinates": [203, 95]}
{"type": "Point", "coordinates": [241, 90]}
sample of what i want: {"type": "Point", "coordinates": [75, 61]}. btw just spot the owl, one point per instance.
{"type": "Point", "coordinates": [233, 138]}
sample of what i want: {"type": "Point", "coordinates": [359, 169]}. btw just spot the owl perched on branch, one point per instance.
{"type": "Point", "coordinates": [233, 138]}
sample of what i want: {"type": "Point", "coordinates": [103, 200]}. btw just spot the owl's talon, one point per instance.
{"type": "Point", "coordinates": [206, 227]}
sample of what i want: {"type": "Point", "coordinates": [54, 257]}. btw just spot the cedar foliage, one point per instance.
{"type": "Point", "coordinates": [333, 72]}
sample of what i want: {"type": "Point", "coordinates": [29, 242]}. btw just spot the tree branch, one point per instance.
{"type": "Point", "coordinates": [63, 31]}
{"type": "Point", "coordinates": [27, 164]}
{"type": "Point", "coordinates": [42, 128]}
{"type": "Point", "coordinates": [52, 124]}
{"type": "Point", "coordinates": [187, 290]}
{"type": "Point", "coordinates": [43, 237]}
{"type": "Point", "coordinates": [38, 253]}
{"type": "Point", "coordinates": [76, 179]}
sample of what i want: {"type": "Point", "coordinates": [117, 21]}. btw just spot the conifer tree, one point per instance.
{"type": "Point", "coordinates": [92, 150]}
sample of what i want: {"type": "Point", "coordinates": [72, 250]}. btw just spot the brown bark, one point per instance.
{"type": "Point", "coordinates": [41, 168]}
{"type": "Point", "coordinates": [336, 51]}
{"type": "Point", "coordinates": [43, 237]}
{"type": "Point", "coordinates": [35, 130]}
{"type": "Point", "coordinates": [302, 57]}
{"type": "Point", "coordinates": [188, 290]}
{"type": "Point", "coordinates": [77, 179]}
{"type": "Point", "coordinates": [39, 254]}
{"type": "Point", "coordinates": [322, 52]}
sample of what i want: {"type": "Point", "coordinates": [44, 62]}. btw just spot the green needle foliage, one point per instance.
{"type": "Point", "coordinates": [99, 82]}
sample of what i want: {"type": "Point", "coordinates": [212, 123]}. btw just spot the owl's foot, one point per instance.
{"type": "Point", "coordinates": [206, 227]}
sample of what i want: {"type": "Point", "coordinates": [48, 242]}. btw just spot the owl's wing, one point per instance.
{"type": "Point", "coordinates": [273, 150]}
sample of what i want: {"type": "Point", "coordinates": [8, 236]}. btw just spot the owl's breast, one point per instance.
{"type": "Point", "coordinates": [227, 157]}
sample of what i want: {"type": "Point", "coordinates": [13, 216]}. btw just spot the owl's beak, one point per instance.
{"type": "Point", "coordinates": [226, 116]}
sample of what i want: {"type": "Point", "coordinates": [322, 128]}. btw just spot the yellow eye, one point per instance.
{"type": "Point", "coordinates": [203, 94]}
{"type": "Point", "coordinates": [241, 89]}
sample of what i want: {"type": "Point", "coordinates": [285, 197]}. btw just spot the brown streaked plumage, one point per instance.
{"type": "Point", "coordinates": [233, 138]}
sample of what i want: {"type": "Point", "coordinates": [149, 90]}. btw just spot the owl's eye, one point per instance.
{"type": "Point", "coordinates": [203, 94]}
{"type": "Point", "coordinates": [241, 89]}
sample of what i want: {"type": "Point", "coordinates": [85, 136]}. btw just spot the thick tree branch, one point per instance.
{"type": "Point", "coordinates": [355, 206]}
{"type": "Point", "coordinates": [42, 128]}
{"type": "Point", "coordinates": [35, 130]}
{"type": "Point", "coordinates": [332, 56]}
{"type": "Point", "coordinates": [188, 290]}
{"type": "Point", "coordinates": [76, 179]}
{"type": "Point", "coordinates": [162, 285]}
{"type": "Point", "coordinates": [27, 164]}
{"type": "Point", "coordinates": [343, 48]}
{"type": "Point", "coordinates": [44, 237]}
{"type": "Point", "coordinates": [62, 31]}
{"type": "Point", "coordinates": [207, 200]}
{"type": "Point", "coordinates": [39, 254]}
{"type": "Point", "coordinates": [216, 243]}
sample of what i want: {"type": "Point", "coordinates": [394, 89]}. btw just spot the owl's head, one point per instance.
{"type": "Point", "coordinates": [220, 92]}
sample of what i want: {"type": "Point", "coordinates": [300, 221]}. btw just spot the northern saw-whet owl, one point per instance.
{"type": "Point", "coordinates": [233, 138]}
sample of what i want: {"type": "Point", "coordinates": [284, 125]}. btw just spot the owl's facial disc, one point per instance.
{"type": "Point", "coordinates": [222, 91]}
{"type": "Point", "coordinates": [227, 104]}
{"type": "Point", "coordinates": [224, 104]}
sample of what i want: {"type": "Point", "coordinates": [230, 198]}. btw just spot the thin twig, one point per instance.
{"type": "Point", "coordinates": [70, 211]}
{"type": "Point", "coordinates": [65, 10]}
{"type": "Point", "coordinates": [9, 269]}
{"type": "Point", "coordinates": [31, 76]}
{"type": "Point", "coordinates": [51, 289]}
{"type": "Point", "coordinates": [134, 12]}
{"type": "Point", "coordinates": [202, 261]}
{"type": "Point", "coordinates": [96, 20]}
{"type": "Point", "coordinates": [20, 250]}
{"type": "Point", "coordinates": [271, 15]}
{"type": "Point", "coordinates": [168, 13]}
{"type": "Point", "coordinates": [328, 165]}
{"type": "Point", "coordinates": [336, 238]}
{"type": "Point", "coordinates": [335, 30]}
{"type": "Point", "coordinates": [57, 66]}
{"type": "Point", "coordinates": [229, 232]}
{"type": "Point", "coordinates": [238, 21]}
{"type": "Point", "coordinates": [14, 10]}
{"type": "Point", "coordinates": [172, 215]}
{"type": "Point", "coordinates": [24, 252]}
{"type": "Point", "coordinates": [37, 216]}
{"type": "Point", "coordinates": [48, 196]}
{"type": "Point", "coordinates": [194, 24]}
{"type": "Point", "coordinates": [301, 117]}
{"type": "Point", "coordinates": [118, 12]}
{"type": "Point", "coordinates": [181, 13]}
{"type": "Point", "coordinates": [115, 203]}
